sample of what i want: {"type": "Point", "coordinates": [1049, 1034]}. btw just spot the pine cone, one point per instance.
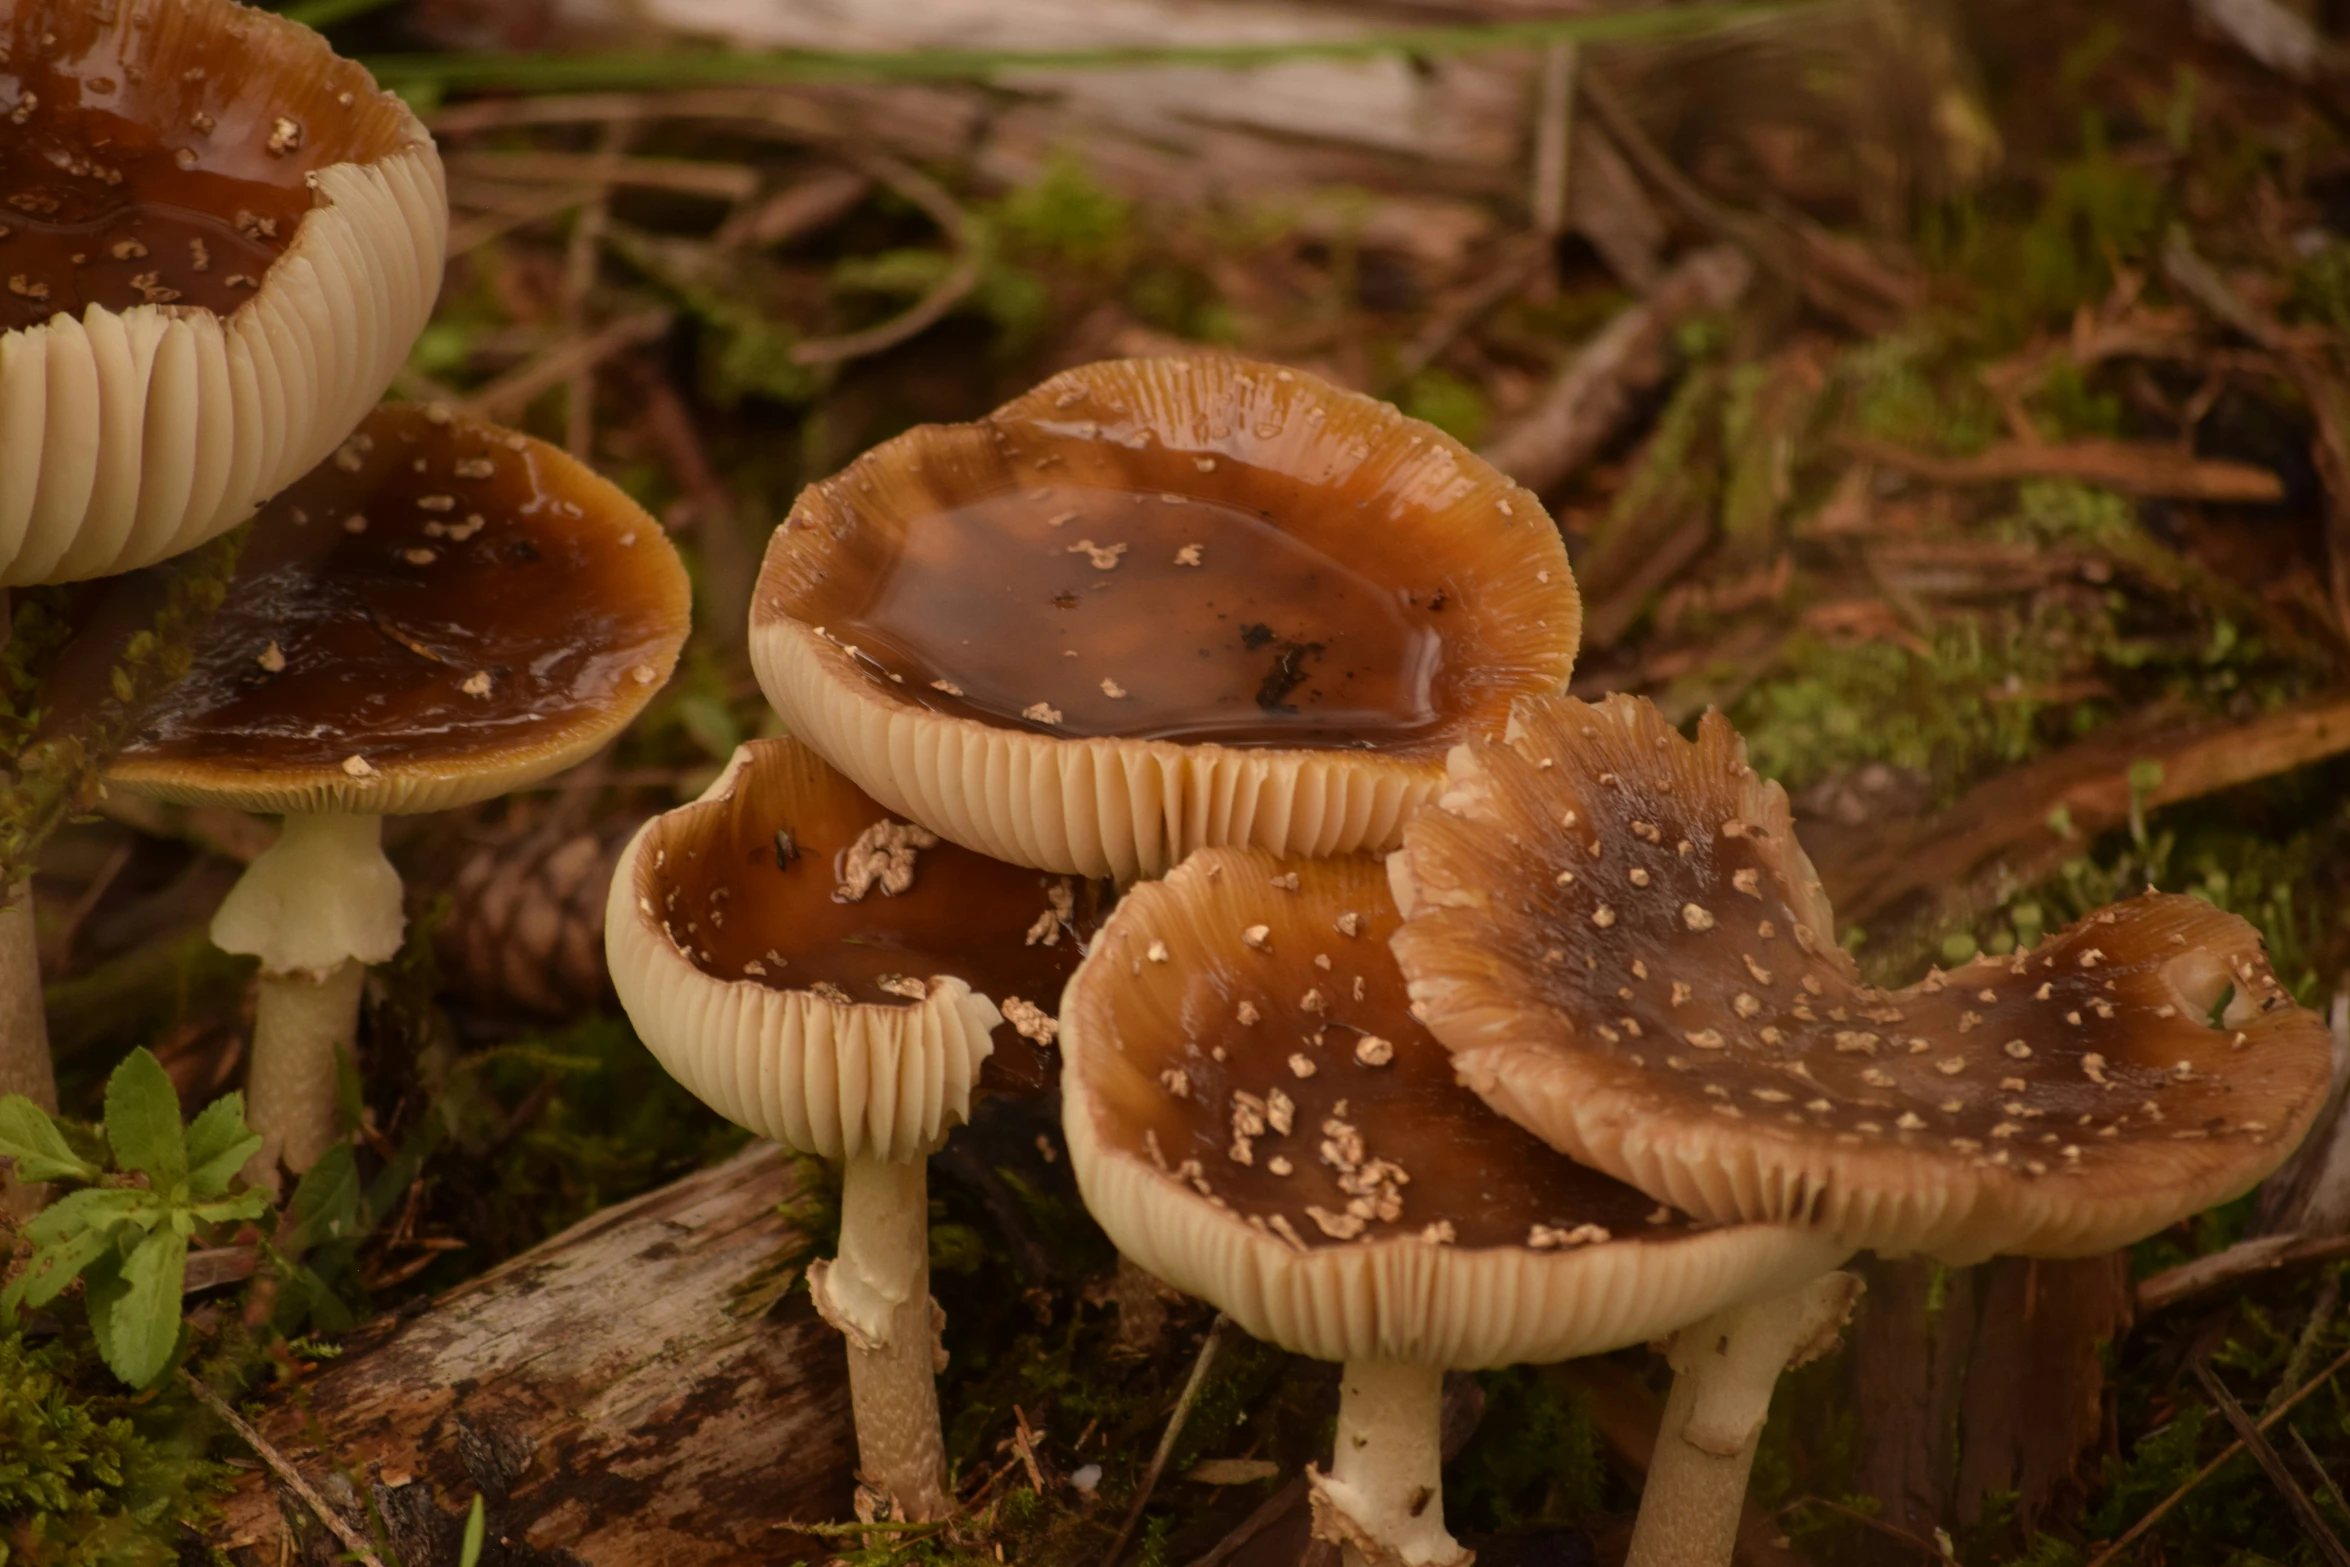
{"type": "Point", "coordinates": [527, 933]}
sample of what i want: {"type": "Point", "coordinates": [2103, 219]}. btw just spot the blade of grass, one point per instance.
{"type": "Point", "coordinates": [658, 68]}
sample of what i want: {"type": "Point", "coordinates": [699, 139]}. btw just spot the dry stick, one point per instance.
{"type": "Point", "coordinates": [514, 390]}
{"type": "Point", "coordinates": [1269, 1512]}
{"type": "Point", "coordinates": [352, 1540]}
{"type": "Point", "coordinates": [1527, 255]}
{"type": "Point", "coordinates": [943, 210]}
{"type": "Point", "coordinates": [2241, 1260]}
{"type": "Point", "coordinates": [582, 257]}
{"type": "Point", "coordinates": [2132, 467]}
{"type": "Point", "coordinates": [2317, 1466]}
{"type": "Point", "coordinates": [2305, 1512]}
{"type": "Point", "coordinates": [718, 181]}
{"type": "Point", "coordinates": [2161, 1509]}
{"type": "Point", "coordinates": [2321, 1317]}
{"type": "Point", "coordinates": [1150, 1477]}
{"type": "Point", "coordinates": [1554, 133]}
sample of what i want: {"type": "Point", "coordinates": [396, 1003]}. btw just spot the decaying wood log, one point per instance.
{"type": "Point", "coordinates": [1445, 133]}
{"type": "Point", "coordinates": [642, 1389]}
{"type": "Point", "coordinates": [2011, 827]}
{"type": "Point", "coordinates": [1980, 1381]}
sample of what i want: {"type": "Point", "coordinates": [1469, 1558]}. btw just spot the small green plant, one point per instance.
{"type": "Point", "coordinates": [125, 1233]}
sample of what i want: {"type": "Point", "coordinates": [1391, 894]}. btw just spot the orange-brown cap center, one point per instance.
{"type": "Point", "coordinates": [159, 154]}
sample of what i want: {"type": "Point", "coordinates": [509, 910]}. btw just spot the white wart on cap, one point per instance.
{"type": "Point", "coordinates": [1254, 1116]}
{"type": "Point", "coordinates": [830, 976]}
{"type": "Point", "coordinates": [217, 242]}
{"type": "Point", "coordinates": [1615, 932]}
{"type": "Point", "coordinates": [1158, 604]}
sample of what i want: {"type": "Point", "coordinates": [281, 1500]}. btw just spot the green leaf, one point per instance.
{"type": "Point", "coordinates": [244, 1205]}
{"type": "Point", "coordinates": [476, 1534]}
{"type": "Point", "coordinates": [145, 1317]}
{"type": "Point", "coordinates": [219, 1143]}
{"type": "Point", "coordinates": [55, 1266]}
{"type": "Point", "coordinates": [32, 1140]}
{"type": "Point", "coordinates": [143, 1121]}
{"type": "Point", "coordinates": [98, 1208]}
{"type": "Point", "coordinates": [325, 1206]}
{"type": "Point", "coordinates": [102, 1289]}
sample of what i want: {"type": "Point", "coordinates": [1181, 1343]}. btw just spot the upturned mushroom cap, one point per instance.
{"type": "Point", "coordinates": [1615, 932]}
{"type": "Point", "coordinates": [1161, 603]}
{"type": "Point", "coordinates": [813, 969]}
{"type": "Point", "coordinates": [217, 242]}
{"type": "Point", "coordinates": [442, 611]}
{"type": "Point", "coordinates": [1254, 1116]}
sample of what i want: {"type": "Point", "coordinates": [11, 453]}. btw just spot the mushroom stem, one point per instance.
{"type": "Point", "coordinates": [877, 1292]}
{"type": "Point", "coordinates": [1724, 1369]}
{"type": "Point", "coordinates": [1383, 1499]}
{"type": "Point", "coordinates": [301, 1023]}
{"type": "Point", "coordinates": [24, 1032]}
{"type": "Point", "coordinates": [316, 907]}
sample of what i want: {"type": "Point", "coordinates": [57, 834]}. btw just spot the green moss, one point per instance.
{"type": "Point", "coordinates": [1950, 715]}
{"type": "Point", "coordinates": [1535, 1458]}
{"type": "Point", "coordinates": [1449, 403]}
{"type": "Point", "coordinates": [88, 1479]}
{"type": "Point", "coordinates": [1068, 217]}
{"type": "Point", "coordinates": [1914, 389]}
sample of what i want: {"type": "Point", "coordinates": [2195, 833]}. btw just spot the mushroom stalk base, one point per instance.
{"type": "Point", "coordinates": [1383, 1499]}
{"type": "Point", "coordinates": [1724, 1370]}
{"type": "Point", "coordinates": [301, 1026]}
{"type": "Point", "coordinates": [877, 1292]}
{"type": "Point", "coordinates": [24, 1032]}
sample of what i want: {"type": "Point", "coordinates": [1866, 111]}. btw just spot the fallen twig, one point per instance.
{"type": "Point", "coordinates": [287, 1474]}
{"type": "Point", "coordinates": [2263, 1254]}
{"type": "Point", "coordinates": [926, 193]}
{"type": "Point", "coordinates": [513, 391]}
{"type": "Point", "coordinates": [2304, 1512]}
{"type": "Point", "coordinates": [1150, 1476]}
{"type": "Point", "coordinates": [2161, 1509]}
{"type": "Point", "coordinates": [1269, 1512]}
{"type": "Point", "coordinates": [2007, 820]}
{"type": "Point", "coordinates": [719, 181]}
{"type": "Point", "coordinates": [2132, 467]}
{"type": "Point", "coordinates": [1593, 397]}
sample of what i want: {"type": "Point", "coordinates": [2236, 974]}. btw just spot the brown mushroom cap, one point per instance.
{"type": "Point", "coordinates": [814, 971]}
{"type": "Point", "coordinates": [1161, 603]}
{"type": "Point", "coordinates": [1615, 932]}
{"type": "Point", "coordinates": [1254, 1116]}
{"type": "Point", "coordinates": [442, 611]}
{"type": "Point", "coordinates": [759, 881]}
{"type": "Point", "coordinates": [217, 241]}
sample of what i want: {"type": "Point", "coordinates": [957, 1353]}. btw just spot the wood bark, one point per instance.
{"type": "Point", "coordinates": [1975, 1381]}
{"type": "Point", "coordinates": [645, 1388]}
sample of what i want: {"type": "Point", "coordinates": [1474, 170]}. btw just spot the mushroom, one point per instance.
{"type": "Point", "coordinates": [810, 967]}
{"type": "Point", "coordinates": [1616, 934]}
{"type": "Point", "coordinates": [1254, 1115]}
{"type": "Point", "coordinates": [1161, 603]}
{"type": "Point", "coordinates": [441, 612]}
{"type": "Point", "coordinates": [217, 241]}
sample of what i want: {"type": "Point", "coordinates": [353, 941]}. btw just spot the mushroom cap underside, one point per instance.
{"type": "Point", "coordinates": [440, 612]}
{"type": "Point", "coordinates": [1254, 1116]}
{"type": "Point", "coordinates": [1616, 934]}
{"type": "Point", "coordinates": [831, 977]}
{"type": "Point", "coordinates": [1155, 604]}
{"type": "Point", "coordinates": [218, 241]}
